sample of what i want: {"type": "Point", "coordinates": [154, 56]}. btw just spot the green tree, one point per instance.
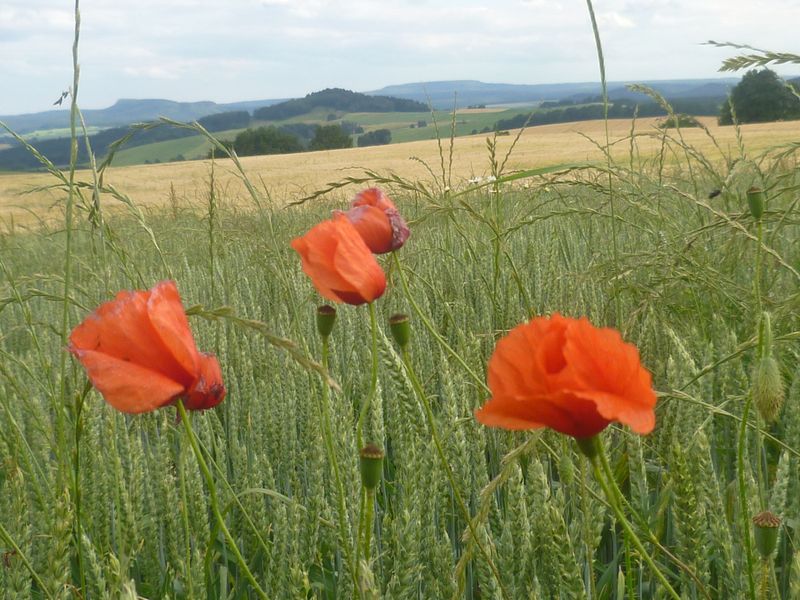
{"type": "Point", "coordinates": [378, 137]}
{"type": "Point", "coordinates": [266, 140]}
{"type": "Point", "coordinates": [330, 137]}
{"type": "Point", "coordinates": [759, 97]}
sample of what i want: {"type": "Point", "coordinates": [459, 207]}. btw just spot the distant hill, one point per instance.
{"type": "Point", "coordinates": [440, 93]}
{"type": "Point", "coordinates": [337, 99]}
{"type": "Point", "coordinates": [127, 111]}
{"type": "Point", "coordinates": [57, 150]}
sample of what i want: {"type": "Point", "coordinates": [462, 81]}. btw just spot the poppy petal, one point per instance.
{"type": "Point", "coordinates": [121, 328]}
{"type": "Point", "coordinates": [534, 413]}
{"type": "Point", "coordinates": [373, 197]}
{"type": "Point", "coordinates": [374, 227]}
{"type": "Point", "coordinates": [208, 390]}
{"type": "Point", "coordinates": [568, 375]}
{"type": "Point", "coordinates": [127, 386]}
{"type": "Point", "coordinates": [614, 408]}
{"type": "Point", "coordinates": [339, 263]}
{"type": "Point", "coordinates": [316, 250]}
{"type": "Point", "coordinates": [358, 268]}
{"type": "Point", "coordinates": [609, 371]}
{"type": "Point", "coordinates": [168, 317]}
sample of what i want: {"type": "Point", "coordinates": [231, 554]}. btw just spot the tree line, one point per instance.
{"type": "Point", "coordinates": [761, 96]}
{"type": "Point", "coordinates": [302, 137]}
{"type": "Point", "coordinates": [619, 109]}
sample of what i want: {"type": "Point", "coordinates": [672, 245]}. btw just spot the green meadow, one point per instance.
{"type": "Point", "coordinates": [403, 126]}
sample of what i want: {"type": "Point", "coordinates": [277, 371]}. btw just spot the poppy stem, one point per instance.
{"type": "Point", "coordinates": [605, 477]}
{"type": "Point", "coordinates": [212, 492]}
{"type": "Point", "coordinates": [740, 467]}
{"type": "Point", "coordinates": [373, 383]}
{"type": "Point", "coordinates": [368, 522]}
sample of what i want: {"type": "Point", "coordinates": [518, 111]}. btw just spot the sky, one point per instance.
{"type": "Point", "coordinates": [233, 50]}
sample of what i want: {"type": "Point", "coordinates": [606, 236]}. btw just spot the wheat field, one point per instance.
{"type": "Point", "coordinates": [290, 177]}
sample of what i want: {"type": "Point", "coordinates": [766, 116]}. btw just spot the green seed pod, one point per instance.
{"type": "Point", "coordinates": [766, 384]}
{"type": "Point", "coordinates": [766, 526]}
{"type": "Point", "coordinates": [326, 317]}
{"type": "Point", "coordinates": [767, 388]}
{"type": "Point", "coordinates": [401, 329]}
{"type": "Point", "coordinates": [371, 464]}
{"type": "Point", "coordinates": [755, 198]}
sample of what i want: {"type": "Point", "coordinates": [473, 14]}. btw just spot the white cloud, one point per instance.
{"type": "Point", "coordinates": [207, 49]}
{"type": "Point", "coordinates": [614, 20]}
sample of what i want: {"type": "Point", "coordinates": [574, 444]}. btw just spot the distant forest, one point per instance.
{"type": "Point", "coordinates": [337, 99]}
{"type": "Point", "coordinates": [619, 109]}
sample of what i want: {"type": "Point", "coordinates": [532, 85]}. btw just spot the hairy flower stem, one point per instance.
{"type": "Point", "coordinates": [587, 533]}
{"type": "Point", "coordinates": [605, 477]}
{"type": "Point", "coordinates": [763, 588]}
{"type": "Point", "coordinates": [745, 518]}
{"type": "Point", "coordinates": [362, 415]}
{"type": "Point", "coordinates": [327, 434]}
{"type": "Point", "coordinates": [761, 351]}
{"type": "Point", "coordinates": [368, 518]}
{"type": "Point", "coordinates": [212, 494]}
{"type": "Point", "coordinates": [76, 483]}
{"type": "Point", "coordinates": [426, 405]}
{"type": "Point", "coordinates": [373, 383]}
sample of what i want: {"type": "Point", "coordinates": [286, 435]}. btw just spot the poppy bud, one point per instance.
{"type": "Point", "coordinates": [766, 526]}
{"type": "Point", "coordinates": [755, 198]}
{"type": "Point", "coordinates": [400, 327]}
{"type": "Point", "coordinates": [766, 382]}
{"type": "Point", "coordinates": [767, 388]}
{"type": "Point", "coordinates": [371, 464]}
{"type": "Point", "coordinates": [326, 317]}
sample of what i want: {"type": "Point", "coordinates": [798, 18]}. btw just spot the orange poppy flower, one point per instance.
{"type": "Point", "coordinates": [339, 263]}
{"type": "Point", "coordinates": [378, 221]}
{"type": "Point", "coordinates": [139, 353]}
{"type": "Point", "coordinates": [568, 375]}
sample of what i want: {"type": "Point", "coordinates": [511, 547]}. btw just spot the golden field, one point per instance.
{"type": "Point", "coordinates": [289, 177]}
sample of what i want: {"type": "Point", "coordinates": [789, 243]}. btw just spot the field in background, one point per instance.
{"type": "Point", "coordinates": [403, 125]}
{"type": "Point", "coordinates": [289, 177]}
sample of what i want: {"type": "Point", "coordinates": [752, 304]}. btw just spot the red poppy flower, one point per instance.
{"type": "Point", "coordinates": [339, 263]}
{"type": "Point", "coordinates": [568, 375]}
{"type": "Point", "coordinates": [139, 353]}
{"type": "Point", "coordinates": [378, 221]}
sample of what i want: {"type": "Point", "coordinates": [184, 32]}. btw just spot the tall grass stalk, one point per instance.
{"type": "Point", "coordinates": [604, 87]}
